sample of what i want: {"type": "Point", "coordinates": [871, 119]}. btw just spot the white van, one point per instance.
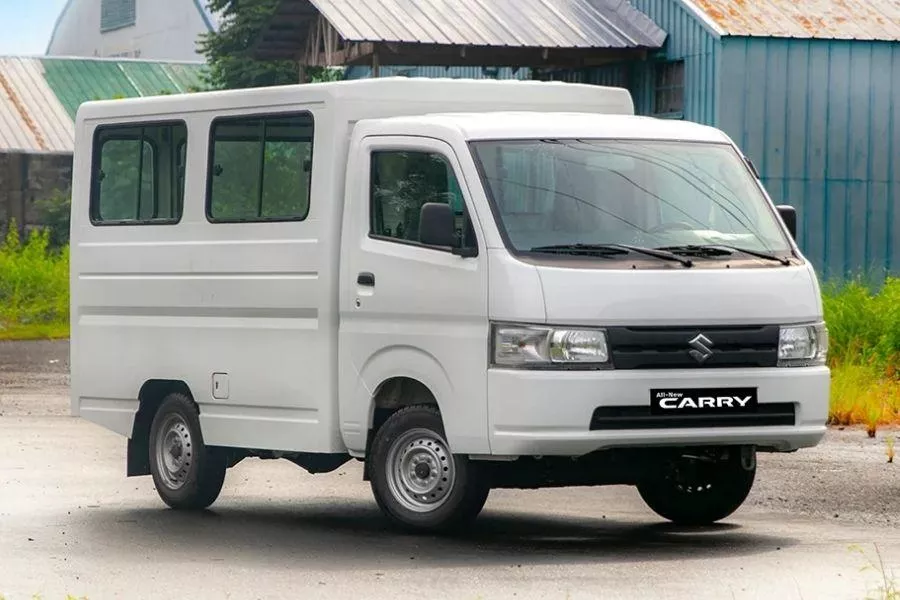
{"type": "Point", "coordinates": [465, 285]}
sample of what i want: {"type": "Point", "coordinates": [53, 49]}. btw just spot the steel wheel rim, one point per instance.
{"type": "Point", "coordinates": [421, 472]}
{"type": "Point", "coordinates": [174, 452]}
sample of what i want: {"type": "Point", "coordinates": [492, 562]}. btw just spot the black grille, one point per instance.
{"type": "Point", "coordinates": [639, 417]}
{"type": "Point", "coordinates": [670, 348]}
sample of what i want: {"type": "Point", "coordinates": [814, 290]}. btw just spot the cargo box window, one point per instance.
{"type": "Point", "coordinates": [138, 174]}
{"type": "Point", "coordinates": [260, 168]}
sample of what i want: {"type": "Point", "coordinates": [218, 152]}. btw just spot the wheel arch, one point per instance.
{"type": "Point", "coordinates": [395, 393]}
{"type": "Point", "coordinates": [150, 398]}
{"type": "Point", "coordinates": [464, 424]}
{"type": "Point", "coordinates": [408, 364]}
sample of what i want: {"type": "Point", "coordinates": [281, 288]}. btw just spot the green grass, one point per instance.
{"type": "Point", "coordinates": [864, 326]}
{"type": "Point", "coordinates": [38, 331]}
{"type": "Point", "coordinates": [34, 288]}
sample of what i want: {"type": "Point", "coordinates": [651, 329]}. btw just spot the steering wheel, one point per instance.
{"type": "Point", "coordinates": [673, 226]}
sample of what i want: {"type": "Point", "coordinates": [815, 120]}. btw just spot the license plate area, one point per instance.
{"type": "Point", "coordinates": [703, 401]}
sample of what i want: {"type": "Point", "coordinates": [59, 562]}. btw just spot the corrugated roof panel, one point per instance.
{"type": "Point", "coordinates": [826, 19]}
{"type": "Point", "coordinates": [79, 81]}
{"type": "Point", "coordinates": [39, 97]}
{"type": "Point", "coordinates": [149, 79]}
{"type": "Point", "coordinates": [187, 77]}
{"type": "Point", "coordinates": [516, 23]}
{"type": "Point", "coordinates": [47, 112]}
{"type": "Point", "coordinates": [31, 117]}
{"type": "Point", "coordinates": [469, 26]}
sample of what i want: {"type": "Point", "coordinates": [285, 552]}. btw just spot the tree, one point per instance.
{"type": "Point", "coordinates": [228, 52]}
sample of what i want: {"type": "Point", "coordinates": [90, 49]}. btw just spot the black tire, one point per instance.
{"type": "Point", "coordinates": [696, 493]}
{"type": "Point", "coordinates": [193, 476]}
{"type": "Point", "coordinates": [413, 433]}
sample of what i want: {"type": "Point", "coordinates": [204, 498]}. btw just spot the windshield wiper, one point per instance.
{"type": "Point", "coordinates": [660, 253]}
{"type": "Point", "coordinates": [603, 250]}
{"type": "Point", "coordinates": [609, 250]}
{"type": "Point", "coordinates": [723, 250]}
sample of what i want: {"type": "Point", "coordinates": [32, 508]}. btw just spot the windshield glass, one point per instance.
{"type": "Point", "coordinates": [655, 194]}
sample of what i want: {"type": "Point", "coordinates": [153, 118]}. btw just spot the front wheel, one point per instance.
{"type": "Point", "coordinates": [418, 484]}
{"type": "Point", "coordinates": [187, 474]}
{"type": "Point", "coordinates": [699, 490]}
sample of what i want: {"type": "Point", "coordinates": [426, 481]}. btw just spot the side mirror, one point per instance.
{"type": "Point", "coordinates": [437, 227]}
{"type": "Point", "coordinates": [789, 216]}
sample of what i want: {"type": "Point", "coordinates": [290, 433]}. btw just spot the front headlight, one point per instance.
{"type": "Point", "coordinates": [803, 346]}
{"type": "Point", "coordinates": [536, 347]}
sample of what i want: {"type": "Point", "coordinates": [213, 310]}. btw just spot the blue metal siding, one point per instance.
{"type": "Point", "coordinates": [689, 40]}
{"type": "Point", "coordinates": [818, 119]}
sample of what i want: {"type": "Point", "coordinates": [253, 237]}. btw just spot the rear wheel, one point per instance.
{"type": "Point", "coordinates": [187, 474]}
{"type": "Point", "coordinates": [417, 483]}
{"type": "Point", "coordinates": [699, 490]}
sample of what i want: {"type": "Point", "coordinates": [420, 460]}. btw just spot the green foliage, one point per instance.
{"type": "Point", "coordinates": [864, 324]}
{"type": "Point", "coordinates": [230, 61]}
{"type": "Point", "coordinates": [34, 281]}
{"type": "Point", "coordinates": [54, 213]}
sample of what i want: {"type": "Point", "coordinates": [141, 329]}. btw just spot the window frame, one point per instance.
{"type": "Point", "coordinates": [211, 154]}
{"type": "Point", "coordinates": [370, 204]}
{"type": "Point", "coordinates": [677, 66]}
{"type": "Point", "coordinates": [96, 162]}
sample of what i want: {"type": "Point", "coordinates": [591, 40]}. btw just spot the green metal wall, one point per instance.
{"type": "Point", "coordinates": [691, 41]}
{"type": "Point", "coordinates": [819, 119]}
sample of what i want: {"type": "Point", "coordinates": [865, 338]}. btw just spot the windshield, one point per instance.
{"type": "Point", "coordinates": [655, 194]}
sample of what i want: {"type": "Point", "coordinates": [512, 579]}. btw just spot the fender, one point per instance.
{"type": "Point", "coordinates": [466, 433]}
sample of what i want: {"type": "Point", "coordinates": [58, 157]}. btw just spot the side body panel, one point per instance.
{"type": "Point", "coordinates": [186, 301]}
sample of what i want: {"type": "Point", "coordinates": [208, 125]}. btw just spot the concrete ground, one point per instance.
{"type": "Point", "coordinates": [71, 523]}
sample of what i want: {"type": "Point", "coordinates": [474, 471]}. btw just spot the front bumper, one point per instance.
{"type": "Point", "coordinates": [545, 413]}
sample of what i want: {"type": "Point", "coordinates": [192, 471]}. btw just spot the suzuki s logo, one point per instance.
{"type": "Point", "coordinates": [700, 348]}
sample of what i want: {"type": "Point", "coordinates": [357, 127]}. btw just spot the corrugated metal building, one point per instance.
{"type": "Point", "coordinates": [808, 88]}
{"type": "Point", "coordinates": [39, 98]}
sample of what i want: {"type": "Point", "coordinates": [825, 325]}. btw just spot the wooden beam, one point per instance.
{"type": "Point", "coordinates": [350, 53]}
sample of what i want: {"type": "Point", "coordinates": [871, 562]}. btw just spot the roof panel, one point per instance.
{"type": "Point", "coordinates": [31, 117]}
{"type": "Point", "coordinates": [516, 23]}
{"type": "Point", "coordinates": [426, 22]}
{"type": "Point", "coordinates": [39, 97]}
{"type": "Point", "coordinates": [554, 32]}
{"type": "Point", "coordinates": [826, 19]}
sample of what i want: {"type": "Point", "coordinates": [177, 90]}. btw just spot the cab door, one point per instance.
{"type": "Point", "coordinates": [407, 309]}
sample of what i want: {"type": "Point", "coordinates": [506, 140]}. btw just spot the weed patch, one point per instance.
{"type": "Point", "coordinates": [34, 287]}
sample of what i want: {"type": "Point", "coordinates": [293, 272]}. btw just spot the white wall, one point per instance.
{"type": "Point", "coordinates": [164, 30]}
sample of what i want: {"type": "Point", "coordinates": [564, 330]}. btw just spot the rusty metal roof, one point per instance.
{"type": "Point", "coordinates": [40, 96]}
{"type": "Point", "coordinates": [825, 19]}
{"type": "Point", "coordinates": [31, 116]}
{"type": "Point", "coordinates": [515, 23]}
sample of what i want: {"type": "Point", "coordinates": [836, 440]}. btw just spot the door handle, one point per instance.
{"type": "Point", "coordinates": [366, 279]}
